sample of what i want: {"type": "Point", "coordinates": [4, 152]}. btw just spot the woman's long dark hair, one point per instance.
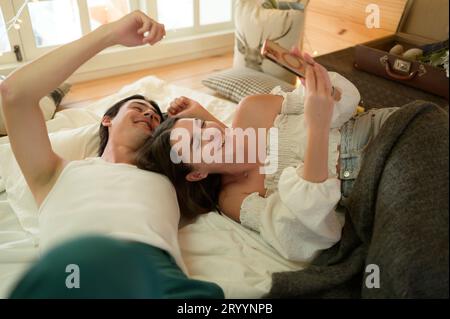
{"type": "Point", "coordinates": [194, 198]}
{"type": "Point", "coordinates": [113, 111]}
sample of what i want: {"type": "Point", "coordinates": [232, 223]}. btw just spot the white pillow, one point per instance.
{"type": "Point", "coordinates": [48, 108]}
{"type": "Point", "coordinates": [71, 144]}
{"type": "Point", "coordinates": [254, 24]}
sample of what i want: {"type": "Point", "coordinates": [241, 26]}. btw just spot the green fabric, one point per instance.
{"type": "Point", "coordinates": [110, 268]}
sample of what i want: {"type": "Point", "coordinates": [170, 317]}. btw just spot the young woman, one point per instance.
{"type": "Point", "coordinates": [107, 195]}
{"type": "Point", "coordinates": [319, 153]}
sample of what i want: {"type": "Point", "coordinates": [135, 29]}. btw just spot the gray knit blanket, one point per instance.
{"type": "Point", "coordinates": [395, 241]}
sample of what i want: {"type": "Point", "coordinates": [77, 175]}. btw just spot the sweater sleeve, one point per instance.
{"type": "Point", "coordinates": [298, 220]}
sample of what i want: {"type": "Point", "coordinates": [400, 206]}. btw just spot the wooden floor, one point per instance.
{"type": "Point", "coordinates": [328, 28]}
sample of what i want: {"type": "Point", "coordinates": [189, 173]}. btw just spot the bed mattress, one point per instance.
{"type": "Point", "coordinates": [214, 248]}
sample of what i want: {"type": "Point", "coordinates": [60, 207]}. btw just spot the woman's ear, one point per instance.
{"type": "Point", "coordinates": [106, 121]}
{"type": "Point", "coordinates": [196, 176]}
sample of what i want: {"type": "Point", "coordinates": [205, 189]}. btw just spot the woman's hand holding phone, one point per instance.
{"type": "Point", "coordinates": [318, 111]}
{"type": "Point", "coordinates": [319, 101]}
{"type": "Point", "coordinates": [293, 61]}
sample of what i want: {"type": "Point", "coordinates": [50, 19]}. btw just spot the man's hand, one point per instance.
{"type": "Point", "coordinates": [134, 29]}
{"type": "Point", "coordinates": [185, 107]}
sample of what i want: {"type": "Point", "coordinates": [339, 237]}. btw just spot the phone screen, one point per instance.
{"type": "Point", "coordinates": [284, 58]}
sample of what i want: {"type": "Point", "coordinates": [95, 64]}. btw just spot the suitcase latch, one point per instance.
{"type": "Point", "coordinates": [402, 66]}
{"type": "Point", "coordinates": [399, 65]}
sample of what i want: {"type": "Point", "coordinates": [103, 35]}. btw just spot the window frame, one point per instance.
{"type": "Point", "coordinates": [196, 29]}
{"type": "Point", "coordinates": [26, 39]}
{"type": "Point", "coordinates": [13, 35]}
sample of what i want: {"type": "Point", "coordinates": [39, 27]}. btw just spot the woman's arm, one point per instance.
{"type": "Point", "coordinates": [319, 105]}
{"type": "Point", "coordinates": [23, 89]}
{"type": "Point", "coordinates": [186, 107]}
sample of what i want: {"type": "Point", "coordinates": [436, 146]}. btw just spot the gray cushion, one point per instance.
{"type": "Point", "coordinates": [236, 83]}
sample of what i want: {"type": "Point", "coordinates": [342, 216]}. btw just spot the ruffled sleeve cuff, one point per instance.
{"type": "Point", "coordinates": [312, 203]}
{"type": "Point", "coordinates": [298, 192]}
{"type": "Point", "coordinates": [350, 97]}
{"type": "Point", "coordinates": [293, 101]}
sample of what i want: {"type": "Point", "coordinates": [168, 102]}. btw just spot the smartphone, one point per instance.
{"type": "Point", "coordinates": [295, 64]}
{"type": "Point", "coordinates": [281, 56]}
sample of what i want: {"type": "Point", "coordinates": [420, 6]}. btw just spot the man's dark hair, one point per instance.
{"type": "Point", "coordinates": [112, 112]}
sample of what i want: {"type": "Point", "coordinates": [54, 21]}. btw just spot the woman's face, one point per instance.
{"type": "Point", "coordinates": [201, 144]}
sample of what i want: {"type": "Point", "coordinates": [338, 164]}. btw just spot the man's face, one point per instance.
{"type": "Point", "coordinates": [134, 123]}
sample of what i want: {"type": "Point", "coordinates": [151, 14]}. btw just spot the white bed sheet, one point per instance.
{"type": "Point", "coordinates": [215, 248]}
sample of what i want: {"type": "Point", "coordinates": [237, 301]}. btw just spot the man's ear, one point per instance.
{"type": "Point", "coordinates": [106, 121]}
{"type": "Point", "coordinates": [196, 176]}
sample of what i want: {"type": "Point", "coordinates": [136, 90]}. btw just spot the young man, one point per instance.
{"type": "Point", "coordinates": [107, 196]}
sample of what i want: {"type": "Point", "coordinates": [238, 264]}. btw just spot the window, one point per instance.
{"type": "Point", "coordinates": [176, 14]}
{"type": "Point", "coordinates": [46, 24]}
{"type": "Point", "coordinates": [8, 34]}
{"type": "Point", "coordinates": [4, 40]}
{"type": "Point", "coordinates": [54, 22]}
{"type": "Point", "coordinates": [105, 11]}
{"type": "Point", "coordinates": [217, 11]}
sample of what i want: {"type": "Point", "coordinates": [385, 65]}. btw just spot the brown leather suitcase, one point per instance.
{"type": "Point", "coordinates": [423, 22]}
{"type": "Point", "coordinates": [376, 91]}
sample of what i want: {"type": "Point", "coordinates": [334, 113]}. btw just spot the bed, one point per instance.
{"type": "Point", "coordinates": [215, 248]}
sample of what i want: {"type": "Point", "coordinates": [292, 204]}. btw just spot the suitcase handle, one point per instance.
{"type": "Point", "coordinates": [385, 61]}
